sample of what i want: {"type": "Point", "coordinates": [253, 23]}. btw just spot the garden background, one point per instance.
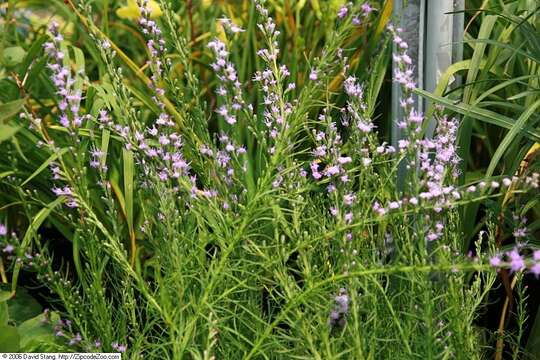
{"type": "Point", "coordinates": [269, 179]}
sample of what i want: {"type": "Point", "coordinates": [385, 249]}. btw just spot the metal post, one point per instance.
{"type": "Point", "coordinates": [434, 37]}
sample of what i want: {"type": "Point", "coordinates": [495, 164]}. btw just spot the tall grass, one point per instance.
{"type": "Point", "coordinates": [221, 191]}
{"type": "Point", "coordinates": [501, 90]}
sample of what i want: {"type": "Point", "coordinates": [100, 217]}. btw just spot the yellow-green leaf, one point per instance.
{"type": "Point", "coordinates": [10, 109]}
{"type": "Point", "coordinates": [7, 131]}
{"type": "Point", "coordinates": [131, 10]}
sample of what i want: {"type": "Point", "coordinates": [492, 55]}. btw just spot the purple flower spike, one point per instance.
{"type": "Point", "coordinates": [495, 261]}
{"type": "Point", "coordinates": [75, 340]}
{"type": "Point", "coordinates": [516, 261]}
{"type": "Point", "coordinates": [343, 11]}
{"type": "Point", "coordinates": [535, 269]}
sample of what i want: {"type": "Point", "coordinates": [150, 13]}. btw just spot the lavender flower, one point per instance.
{"type": "Point", "coordinates": [516, 261]}
{"type": "Point", "coordinates": [495, 261]}
{"type": "Point", "coordinates": [343, 11]}
{"type": "Point", "coordinates": [68, 193]}
{"type": "Point", "coordinates": [64, 81]}
{"type": "Point", "coordinates": [342, 301]}
{"type": "Point", "coordinates": [338, 315]}
{"type": "Point", "coordinates": [230, 89]}
{"type": "Point", "coordinates": [366, 9]}
{"type": "Point", "coordinates": [535, 269]}
{"type": "Point", "coordinates": [520, 232]}
{"type": "Point", "coordinates": [272, 82]}
{"type": "Point", "coordinates": [119, 347]}
{"type": "Point", "coordinates": [75, 340]}
{"type": "Point", "coordinates": [230, 26]}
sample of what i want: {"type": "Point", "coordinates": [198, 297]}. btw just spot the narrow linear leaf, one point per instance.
{"type": "Point", "coordinates": [479, 114]}
{"type": "Point", "coordinates": [532, 57]}
{"type": "Point", "coordinates": [128, 196]}
{"type": "Point", "coordinates": [44, 165]}
{"type": "Point", "coordinates": [502, 85]}
{"type": "Point", "coordinates": [128, 186]}
{"type": "Point", "coordinates": [78, 61]}
{"type": "Point", "coordinates": [119, 196]}
{"type": "Point", "coordinates": [474, 67]}
{"type": "Point", "coordinates": [76, 255]}
{"type": "Point", "coordinates": [105, 137]}
{"type": "Point", "coordinates": [6, 173]}
{"type": "Point", "coordinates": [15, 142]}
{"type": "Point", "coordinates": [523, 94]}
{"type": "Point", "coordinates": [386, 16]}
{"type": "Point", "coordinates": [465, 132]}
{"type": "Point", "coordinates": [533, 342]}
{"type": "Point", "coordinates": [514, 135]}
{"type": "Point", "coordinates": [30, 233]}
{"type": "Point", "coordinates": [4, 313]}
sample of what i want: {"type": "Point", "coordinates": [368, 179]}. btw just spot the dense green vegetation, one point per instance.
{"type": "Point", "coordinates": [215, 180]}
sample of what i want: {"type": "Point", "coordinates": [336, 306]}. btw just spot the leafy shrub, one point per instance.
{"type": "Point", "coordinates": [243, 208]}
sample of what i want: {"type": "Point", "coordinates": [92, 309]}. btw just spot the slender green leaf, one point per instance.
{"type": "Point", "coordinates": [480, 114]}
{"type": "Point", "coordinates": [513, 135]}
{"type": "Point", "coordinates": [29, 235]}
{"type": "Point", "coordinates": [513, 49]}
{"type": "Point", "coordinates": [105, 138]}
{"type": "Point", "coordinates": [533, 343]}
{"type": "Point", "coordinates": [44, 165]}
{"type": "Point", "coordinates": [6, 173]}
{"type": "Point", "coordinates": [4, 313]}
{"type": "Point", "coordinates": [76, 243]}
{"type": "Point", "coordinates": [128, 186]}
{"type": "Point", "coordinates": [10, 109]}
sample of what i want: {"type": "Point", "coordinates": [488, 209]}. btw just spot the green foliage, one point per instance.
{"type": "Point", "coordinates": [23, 325]}
{"type": "Point", "coordinates": [156, 242]}
{"type": "Point", "coordinates": [500, 89]}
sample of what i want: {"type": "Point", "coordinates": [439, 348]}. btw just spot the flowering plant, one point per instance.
{"type": "Point", "coordinates": [251, 213]}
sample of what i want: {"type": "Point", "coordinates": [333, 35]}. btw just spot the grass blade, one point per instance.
{"type": "Point", "coordinates": [45, 164]}
{"type": "Point", "coordinates": [475, 112]}
{"type": "Point", "coordinates": [30, 233]}
{"type": "Point", "coordinates": [128, 197]}
{"type": "Point", "coordinates": [513, 136]}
